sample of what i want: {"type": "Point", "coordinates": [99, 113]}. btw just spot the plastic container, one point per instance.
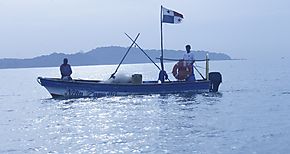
{"type": "Point", "coordinates": [137, 79]}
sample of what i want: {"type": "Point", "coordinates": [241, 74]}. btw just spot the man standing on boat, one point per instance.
{"type": "Point", "coordinates": [65, 70]}
{"type": "Point", "coordinates": [189, 58]}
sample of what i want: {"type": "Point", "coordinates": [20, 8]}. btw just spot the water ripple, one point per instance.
{"type": "Point", "coordinates": [114, 124]}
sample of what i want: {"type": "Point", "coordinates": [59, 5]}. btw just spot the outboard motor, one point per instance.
{"type": "Point", "coordinates": [215, 80]}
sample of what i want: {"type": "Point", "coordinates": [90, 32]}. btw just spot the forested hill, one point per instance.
{"type": "Point", "coordinates": [103, 56]}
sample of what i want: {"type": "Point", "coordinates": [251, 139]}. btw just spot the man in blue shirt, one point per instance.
{"type": "Point", "coordinates": [65, 70]}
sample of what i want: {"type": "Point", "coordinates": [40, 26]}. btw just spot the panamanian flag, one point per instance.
{"type": "Point", "coordinates": [170, 16]}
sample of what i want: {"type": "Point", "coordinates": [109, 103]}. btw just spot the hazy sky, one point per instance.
{"type": "Point", "coordinates": [240, 28]}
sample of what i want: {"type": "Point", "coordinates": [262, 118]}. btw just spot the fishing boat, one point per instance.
{"type": "Point", "coordinates": [59, 88]}
{"type": "Point", "coordinates": [135, 86]}
{"type": "Point", "coordinates": [76, 88]}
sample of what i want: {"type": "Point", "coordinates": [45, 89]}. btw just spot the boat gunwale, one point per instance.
{"type": "Point", "coordinates": [101, 82]}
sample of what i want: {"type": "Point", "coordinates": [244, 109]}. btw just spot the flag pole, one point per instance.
{"type": "Point", "coordinates": [161, 26]}
{"type": "Point", "coordinates": [161, 33]}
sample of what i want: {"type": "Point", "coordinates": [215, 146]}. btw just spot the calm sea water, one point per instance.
{"type": "Point", "coordinates": [250, 114]}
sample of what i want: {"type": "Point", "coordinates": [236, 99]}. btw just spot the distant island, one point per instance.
{"type": "Point", "coordinates": [102, 56]}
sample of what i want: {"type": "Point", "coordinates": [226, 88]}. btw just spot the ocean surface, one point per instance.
{"type": "Point", "coordinates": [250, 114]}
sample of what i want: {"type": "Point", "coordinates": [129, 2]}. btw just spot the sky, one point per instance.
{"type": "Point", "coordinates": [239, 28]}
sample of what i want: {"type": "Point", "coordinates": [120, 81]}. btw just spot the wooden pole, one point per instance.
{"type": "Point", "coordinates": [134, 41]}
{"type": "Point", "coordinates": [143, 51]}
{"type": "Point", "coordinates": [207, 67]}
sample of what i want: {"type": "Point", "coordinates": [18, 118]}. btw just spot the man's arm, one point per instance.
{"type": "Point", "coordinates": [61, 70]}
{"type": "Point", "coordinates": [70, 71]}
{"type": "Point", "coordinates": [192, 58]}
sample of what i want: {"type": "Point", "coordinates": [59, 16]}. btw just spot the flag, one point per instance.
{"type": "Point", "coordinates": [170, 16]}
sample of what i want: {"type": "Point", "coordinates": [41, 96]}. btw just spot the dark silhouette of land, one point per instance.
{"type": "Point", "coordinates": [103, 56]}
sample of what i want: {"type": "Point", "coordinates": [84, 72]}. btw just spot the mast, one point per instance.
{"type": "Point", "coordinates": [162, 73]}
{"type": "Point", "coordinates": [161, 27]}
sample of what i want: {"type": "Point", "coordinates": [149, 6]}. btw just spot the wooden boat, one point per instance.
{"type": "Point", "coordinates": [59, 88]}
{"type": "Point", "coordinates": [96, 88]}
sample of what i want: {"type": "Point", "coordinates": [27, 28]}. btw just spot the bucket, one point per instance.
{"type": "Point", "coordinates": [137, 79]}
